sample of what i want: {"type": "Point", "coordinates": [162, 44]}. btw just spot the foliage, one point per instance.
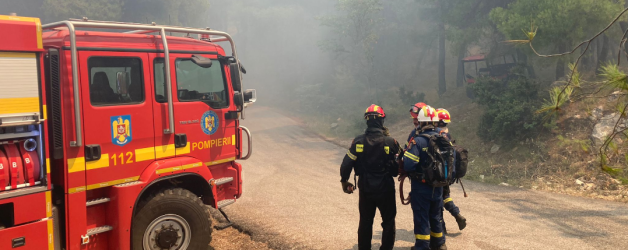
{"type": "Point", "coordinates": [93, 9]}
{"type": "Point", "coordinates": [186, 13]}
{"type": "Point", "coordinates": [557, 20]}
{"type": "Point", "coordinates": [356, 22]}
{"type": "Point", "coordinates": [614, 76]}
{"type": "Point", "coordinates": [509, 108]}
{"type": "Point", "coordinates": [410, 97]}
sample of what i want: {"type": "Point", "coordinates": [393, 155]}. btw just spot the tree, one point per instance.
{"type": "Point", "coordinates": [559, 22]}
{"type": "Point", "coordinates": [93, 9]}
{"type": "Point", "coordinates": [355, 27]}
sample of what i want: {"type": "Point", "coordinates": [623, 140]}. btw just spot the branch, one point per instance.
{"type": "Point", "coordinates": [575, 67]}
{"type": "Point", "coordinates": [609, 139]}
{"type": "Point", "coordinates": [587, 41]}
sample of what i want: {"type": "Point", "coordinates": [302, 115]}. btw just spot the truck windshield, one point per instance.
{"type": "Point", "coordinates": [195, 83]}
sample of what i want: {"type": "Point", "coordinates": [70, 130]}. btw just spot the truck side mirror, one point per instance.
{"type": "Point", "coordinates": [250, 96]}
{"type": "Point", "coordinates": [235, 76]}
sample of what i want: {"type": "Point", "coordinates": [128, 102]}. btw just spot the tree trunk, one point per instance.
{"type": "Point", "coordinates": [603, 56]}
{"type": "Point", "coordinates": [560, 65]}
{"type": "Point", "coordinates": [624, 27]}
{"type": "Point", "coordinates": [442, 84]}
{"type": "Point", "coordinates": [460, 74]}
{"type": "Point", "coordinates": [523, 59]}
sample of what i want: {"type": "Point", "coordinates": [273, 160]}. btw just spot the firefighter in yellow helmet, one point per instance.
{"type": "Point", "coordinates": [444, 118]}
{"type": "Point", "coordinates": [372, 157]}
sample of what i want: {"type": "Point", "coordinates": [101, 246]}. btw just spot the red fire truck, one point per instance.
{"type": "Point", "coordinates": [116, 136]}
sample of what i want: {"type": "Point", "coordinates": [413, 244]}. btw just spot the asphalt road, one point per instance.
{"type": "Point", "coordinates": [293, 200]}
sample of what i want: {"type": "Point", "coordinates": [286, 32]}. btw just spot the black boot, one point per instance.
{"type": "Point", "coordinates": [441, 247]}
{"type": "Point", "coordinates": [462, 222]}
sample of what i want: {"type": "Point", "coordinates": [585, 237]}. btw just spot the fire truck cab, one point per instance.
{"type": "Point", "coordinates": [118, 135]}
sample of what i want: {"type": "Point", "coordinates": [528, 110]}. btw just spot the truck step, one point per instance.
{"type": "Point", "coordinates": [224, 180]}
{"type": "Point", "coordinates": [97, 201]}
{"type": "Point", "coordinates": [98, 230]}
{"type": "Point", "coordinates": [225, 202]}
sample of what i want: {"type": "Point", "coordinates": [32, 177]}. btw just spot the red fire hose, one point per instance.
{"type": "Point", "coordinates": [402, 178]}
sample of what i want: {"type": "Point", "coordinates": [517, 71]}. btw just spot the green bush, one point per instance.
{"type": "Point", "coordinates": [509, 106]}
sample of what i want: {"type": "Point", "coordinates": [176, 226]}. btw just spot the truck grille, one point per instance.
{"type": "Point", "coordinates": [55, 99]}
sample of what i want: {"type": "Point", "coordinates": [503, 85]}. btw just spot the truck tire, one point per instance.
{"type": "Point", "coordinates": [173, 218]}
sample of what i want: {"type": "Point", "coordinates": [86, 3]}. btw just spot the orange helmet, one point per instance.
{"type": "Point", "coordinates": [443, 115]}
{"type": "Point", "coordinates": [375, 111]}
{"type": "Point", "coordinates": [414, 110]}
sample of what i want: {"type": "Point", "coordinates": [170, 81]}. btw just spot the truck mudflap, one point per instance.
{"type": "Point", "coordinates": [32, 236]}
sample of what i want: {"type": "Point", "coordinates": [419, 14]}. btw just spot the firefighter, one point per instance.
{"type": "Point", "coordinates": [426, 201]}
{"type": "Point", "coordinates": [444, 118]}
{"type": "Point", "coordinates": [372, 157]}
{"type": "Point", "coordinates": [414, 112]}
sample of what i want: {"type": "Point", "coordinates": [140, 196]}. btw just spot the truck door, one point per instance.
{"type": "Point", "coordinates": [201, 100]}
{"type": "Point", "coordinates": [117, 116]}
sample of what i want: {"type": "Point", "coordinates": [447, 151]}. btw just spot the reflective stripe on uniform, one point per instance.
{"type": "Point", "coordinates": [437, 235]}
{"type": "Point", "coordinates": [411, 156]}
{"type": "Point", "coordinates": [352, 156]}
{"type": "Point", "coordinates": [447, 200]}
{"type": "Point", "coordinates": [422, 237]}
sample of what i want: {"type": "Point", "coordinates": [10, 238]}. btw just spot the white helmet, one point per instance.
{"type": "Point", "coordinates": [427, 114]}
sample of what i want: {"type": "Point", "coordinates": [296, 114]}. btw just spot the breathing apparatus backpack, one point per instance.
{"type": "Point", "coordinates": [461, 161]}
{"type": "Point", "coordinates": [438, 169]}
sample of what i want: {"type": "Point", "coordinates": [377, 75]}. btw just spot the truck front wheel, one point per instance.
{"type": "Point", "coordinates": [173, 218]}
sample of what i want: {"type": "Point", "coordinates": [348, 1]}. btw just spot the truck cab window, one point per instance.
{"type": "Point", "coordinates": [160, 83]}
{"type": "Point", "coordinates": [195, 83]}
{"type": "Point", "coordinates": [115, 81]}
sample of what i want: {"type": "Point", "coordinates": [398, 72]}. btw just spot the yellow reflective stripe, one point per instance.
{"type": "Point", "coordinates": [422, 237]}
{"type": "Point", "coordinates": [76, 164]}
{"type": "Point", "coordinates": [233, 140]}
{"type": "Point", "coordinates": [51, 238]}
{"type": "Point", "coordinates": [40, 42]}
{"type": "Point", "coordinates": [447, 200]}
{"type": "Point", "coordinates": [145, 154]}
{"type": "Point", "coordinates": [76, 189]}
{"type": "Point", "coordinates": [352, 156]}
{"type": "Point", "coordinates": [45, 113]}
{"type": "Point", "coordinates": [17, 54]}
{"type": "Point", "coordinates": [19, 105]}
{"type": "Point", "coordinates": [111, 183]}
{"type": "Point", "coordinates": [411, 156]}
{"type": "Point", "coordinates": [48, 204]}
{"type": "Point", "coordinates": [164, 151]}
{"type": "Point", "coordinates": [219, 161]}
{"type": "Point", "coordinates": [437, 235]}
{"type": "Point", "coordinates": [172, 169]}
{"type": "Point", "coordinates": [183, 150]}
{"type": "Point", "coordinates": [103, 162]}
{"type": "Point", "coordinates": [47, 165]}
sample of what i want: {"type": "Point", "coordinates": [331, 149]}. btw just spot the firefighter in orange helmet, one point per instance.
{"type": "Point", "coordinates": [444, 118]}
{"type": "Point", "coordinates": [372, 157]}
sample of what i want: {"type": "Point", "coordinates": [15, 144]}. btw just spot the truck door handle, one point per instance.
{"type": "Point", "coordinates": [180, 140]}
{"type": "Point", "coordinates": [92, 152]}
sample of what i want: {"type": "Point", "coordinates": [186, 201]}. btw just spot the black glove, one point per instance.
{"type": "Point", "coordinates": [347, 187]}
